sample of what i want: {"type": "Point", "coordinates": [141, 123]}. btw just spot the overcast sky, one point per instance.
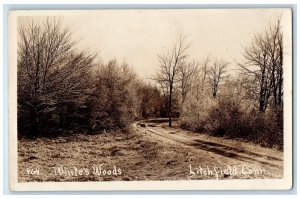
{"type": "Point", "coordinates": [137, 36]}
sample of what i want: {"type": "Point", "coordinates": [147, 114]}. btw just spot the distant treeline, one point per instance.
{"type": "Point", "coordinates": [63, 90]}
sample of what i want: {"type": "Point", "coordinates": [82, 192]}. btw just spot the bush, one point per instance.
{"type": "Point", "coordinates": [274, 125]}
{"type": "Point", "coordinates": [113, 104]}
{"type": "Point", "coordinates": [193, 123]}
{"type": "Point", "coordinates": [227, 118]}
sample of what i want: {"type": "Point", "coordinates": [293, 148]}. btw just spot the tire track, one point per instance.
{"type": "Point", "coordinates": [216, 148]}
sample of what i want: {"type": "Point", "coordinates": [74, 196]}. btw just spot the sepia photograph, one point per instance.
{"type": "Point", "coordinates": [150, 99]}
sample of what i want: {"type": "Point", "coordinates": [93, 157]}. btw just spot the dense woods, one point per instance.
{"type": "Point", "coordinates": [63, 89]}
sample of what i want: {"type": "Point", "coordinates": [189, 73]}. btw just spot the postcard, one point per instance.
{"type": "Point", "coordinates": [150, 99]}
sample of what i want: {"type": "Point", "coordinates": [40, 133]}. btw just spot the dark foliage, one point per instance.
{"type": "Point", "coordinates": [53, 80]}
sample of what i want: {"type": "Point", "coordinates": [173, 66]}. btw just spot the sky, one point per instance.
{"type": "Point", "coordinates": [138, 36]}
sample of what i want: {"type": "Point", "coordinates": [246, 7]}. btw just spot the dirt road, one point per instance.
{"type": "Point", "coordinates": [244, 156]}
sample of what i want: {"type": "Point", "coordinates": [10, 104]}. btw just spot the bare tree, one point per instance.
{"type": "Point", "coordinates": [264, 63]}
{"type": "Point", "coordinates": [276, 64]}
{"type": "Point", "coordinates": [204, 71]}
{"type": "Point", "coordinates": [200, 78]}
{"type": "Point", "coordinates": [216, 75]}
{"type": "Point", "coordinates": [185, 78]}
{"type": "Point", "coordinates": [170, 64]}
{"type": "Point", "coordinates": [256, 66]}
{"type": "Point", "coordinates": [51, 74]}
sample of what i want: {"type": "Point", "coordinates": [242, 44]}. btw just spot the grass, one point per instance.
{"type": "Point", "coordinates": [138, 154]}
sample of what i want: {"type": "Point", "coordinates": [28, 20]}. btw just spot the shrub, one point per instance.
{"type": "Point", "coordinates": [227, 118]}
{"type": "Point", "coordinates": [230, 120]}
{"type": "Point", "coordinates": [193, 123]}
{"type": "Point", "coordinates": [113, 104]}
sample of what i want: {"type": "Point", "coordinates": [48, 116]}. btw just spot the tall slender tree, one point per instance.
{"type": "Point", "coordinates": [170, 64]}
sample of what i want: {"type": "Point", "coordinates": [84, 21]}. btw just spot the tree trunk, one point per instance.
{"type": "Point", "coordinates": [214, 94]}
{"type": "Point", "coordinates": [170, 105]}
{"type": "Point", "coordinates": [261, 106]}
{"type": "Point", "coordinates": [280, 89]}
{"type": "Point", "coordinates": [262, 92]}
